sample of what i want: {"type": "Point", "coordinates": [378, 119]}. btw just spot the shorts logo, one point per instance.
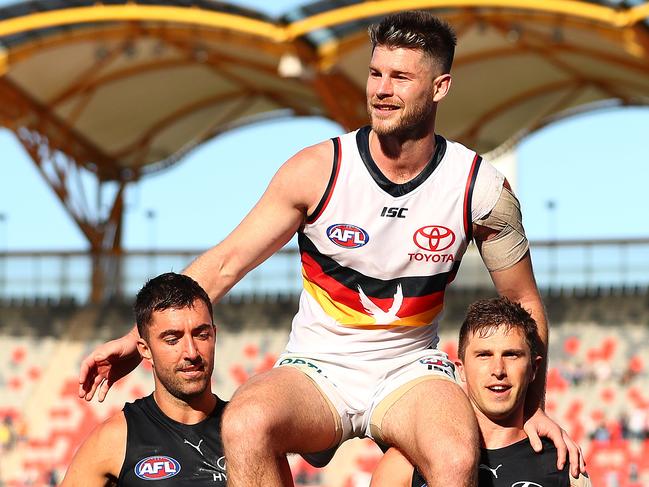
{"type": "Point", "coordinates": [347, 236]}
{"type": "Point", "coordinates": [439, 365]}
{"type": "Point", "coordinates": [434, 238]}
{"type": "Point", "coordinates": [157, 468]}
{"type": "Point", "coordinates": [526, 483]}
{"type": "Point", "coordinates": [301, 363]}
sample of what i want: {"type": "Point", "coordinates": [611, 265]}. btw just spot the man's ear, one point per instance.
{"type": "Point", "coordinates": [441, 87]}
{"type": "Point", "coordinates": [460, 370]}
{"type": "Point", "coordinates": [145, 351]}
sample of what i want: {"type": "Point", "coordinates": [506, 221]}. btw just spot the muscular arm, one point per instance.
{"type": "Point", "coordinates": [293, 193]}
{"type": "Point", "coordinates": [502, 243]}
{"type": "Point", "coordinates": [517, 283]}
{"type": "Point", "coordinates": [99, 459]}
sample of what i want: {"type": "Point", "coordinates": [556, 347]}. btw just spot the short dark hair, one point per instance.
{"type": "Point", "coordinates": [417, 29]}
{"type": "Point", "coordinates": [484, 316]}
{"type": "Point", "coordinates": [166, 291]}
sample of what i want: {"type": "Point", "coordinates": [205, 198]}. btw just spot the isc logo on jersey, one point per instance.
{"type": "Point", "coordinates": [347, 236]}
{"type": "Point", "coordinates": [157, 468]}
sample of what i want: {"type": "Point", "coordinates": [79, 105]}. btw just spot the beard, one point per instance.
{"type": "Point", "coordinates": [413, 123]}
{"type": "Point", "coordinates": [185, 389]}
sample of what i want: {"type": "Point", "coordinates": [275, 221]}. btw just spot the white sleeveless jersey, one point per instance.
{"type": "Point", "coordinates": [377, 256]}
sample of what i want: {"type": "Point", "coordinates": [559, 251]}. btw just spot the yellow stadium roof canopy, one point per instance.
{"type": "Point", "coordinates": [123, 88]}
{"type": "Point", "coordinates": [126, 87]}
{"type": "Point", "coordinates": [129, 87]}
{"type": "Point", "coordinates": [520, 64]}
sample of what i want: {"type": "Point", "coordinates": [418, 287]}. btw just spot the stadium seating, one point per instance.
{"type": "Point", "coordinates": [598, 382]}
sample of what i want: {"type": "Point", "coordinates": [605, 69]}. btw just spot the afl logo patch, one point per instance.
{"type": "Point", "coordinates": [347, 236]}
{"type": "Point", "coordinates": [434, 238]}
{"type": "Point", "coordinates": [157, 468]}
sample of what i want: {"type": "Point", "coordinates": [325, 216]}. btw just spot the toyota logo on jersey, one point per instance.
{"type": "Point", "coordinates": [434, 238]}
{"type": "Point", "coordinates": [347, 236]}
{"type": "Point", "coordinates": [157, 468]}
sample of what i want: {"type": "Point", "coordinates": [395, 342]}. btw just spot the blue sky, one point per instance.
{"type": "Point", "coordinates": [593, 167]}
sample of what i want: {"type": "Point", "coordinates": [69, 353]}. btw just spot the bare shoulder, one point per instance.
{"type": "Point", "coordinates": [307, 173]}
{"type": "Point", "coordinates": [100, 456]}
{"type": "Point", "coordinates": [314, 157]}
{"type": "Point", "coordinates": [113, 430]}
{"type": "Point", "coordinates": [109, 438]}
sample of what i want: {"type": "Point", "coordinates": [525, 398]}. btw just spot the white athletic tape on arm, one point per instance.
{"type": "Point", "coordinates": [510, 244]}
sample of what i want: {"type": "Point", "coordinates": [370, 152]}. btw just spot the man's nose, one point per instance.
{"type": "Point", "coordinates": [498, 368]}
{"type": "Point", "coordinates": [189, 348]}
{"type": "Point", "coordinates": [385, 87]}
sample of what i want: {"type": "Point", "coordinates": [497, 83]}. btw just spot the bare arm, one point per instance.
{"type": "Point", "coordinates": [394, 470]}
{"type": "Point", "coordinates": [293, 193]}
{"type": "Point", "coordinates": [99, 459]}
{"type": "Point", "coordinates": [500, 238]}
{"type": "Point", "coordinates": [517, 283]}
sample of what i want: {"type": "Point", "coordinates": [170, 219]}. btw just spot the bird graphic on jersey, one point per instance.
{"type": "Point", "coordinates": [357, 300]}
{"type": "Point", "coordinates": [381, 317]}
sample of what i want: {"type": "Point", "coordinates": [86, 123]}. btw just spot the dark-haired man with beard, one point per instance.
{"type": "Point", "coordinates": [173, 435]}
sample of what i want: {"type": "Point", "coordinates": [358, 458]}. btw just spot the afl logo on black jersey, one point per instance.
{"type": "Point", "coordinates": [347, 236]}
{"type": "Point", "coordinates": [157, 468]}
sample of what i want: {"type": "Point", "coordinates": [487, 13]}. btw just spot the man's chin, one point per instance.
{"type": "Point", "coordinates": [384, 128]}
{"type": "Point", "coordinates": [503, 417]}
{"type": "Point", "coordinates": [190, 390]}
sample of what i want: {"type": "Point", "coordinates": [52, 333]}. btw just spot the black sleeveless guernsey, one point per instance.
{"type": "Point", "coordinates": [517, 465]}
{"type": "Point", "coordinates": [162, 452]}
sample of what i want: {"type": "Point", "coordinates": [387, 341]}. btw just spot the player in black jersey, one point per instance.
{"type": "Point", "coordinates": [172, 436]}
{"type": "Point", "coordinates": [499, 354]}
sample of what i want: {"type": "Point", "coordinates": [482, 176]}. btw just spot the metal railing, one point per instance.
{"type": "Point", "coordinates": [557, 264]}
